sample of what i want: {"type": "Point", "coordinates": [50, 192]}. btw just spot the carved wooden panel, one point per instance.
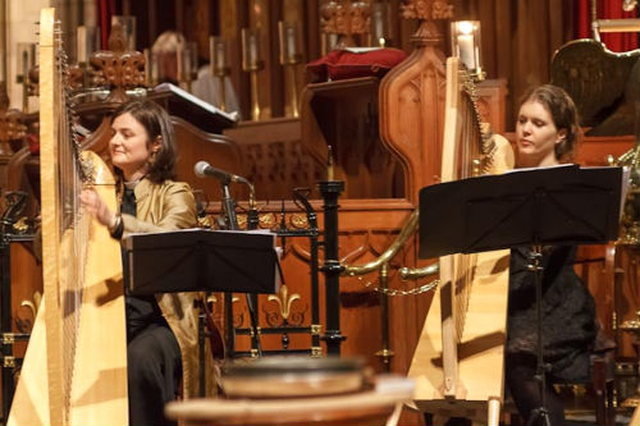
{"type": "Point", "coordinates": [412, 111]}
{"type": "Point", "coordinates": [492, 95]}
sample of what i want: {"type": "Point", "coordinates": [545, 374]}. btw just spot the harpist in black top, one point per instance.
{"type": "Point", "coordinates": [546, 134]}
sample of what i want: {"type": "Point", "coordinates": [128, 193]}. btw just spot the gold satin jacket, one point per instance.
{"type": "Point", "coordinates": [166, 207]}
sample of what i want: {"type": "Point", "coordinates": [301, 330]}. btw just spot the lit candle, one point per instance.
{"type": "Point", "coordinates": [467, 50]}
{"type": "Point", "coordinates": [378, 24]}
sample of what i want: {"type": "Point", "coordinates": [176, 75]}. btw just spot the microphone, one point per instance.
{"type": "Point", "coordinates": [202, 169]}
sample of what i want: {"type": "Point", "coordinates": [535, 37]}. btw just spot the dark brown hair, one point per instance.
{"type": "Point", "coordinates": [156, 122]}
{"type": "Point", "coordinates": [563, 113]}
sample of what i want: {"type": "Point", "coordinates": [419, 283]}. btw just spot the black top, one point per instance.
{"type": "Point", "coordinates": [569, 321]}
{"type": "Point", "coordinates": [140, 311]}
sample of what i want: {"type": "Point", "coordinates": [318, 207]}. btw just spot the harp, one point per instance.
{"type": "Point", "coordinates": [75, 370]}
{"type": "Point", "coordinates": [458, 362]}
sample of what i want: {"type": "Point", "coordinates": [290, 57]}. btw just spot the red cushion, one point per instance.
{"type": "Point", "coordinates": [343, 64]}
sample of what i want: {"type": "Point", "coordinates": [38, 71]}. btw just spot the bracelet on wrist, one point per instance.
{"type": "Point", "coordinates": [115, 222]}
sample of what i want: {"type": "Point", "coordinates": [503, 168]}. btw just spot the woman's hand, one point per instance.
{"type": "Point", "coordinates": [98, 208]}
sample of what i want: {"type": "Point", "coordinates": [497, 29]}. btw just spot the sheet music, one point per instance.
{"type": "Point", "coordinates": [555, 166]}
{"type": "Point", "coordinates": [168, 87]}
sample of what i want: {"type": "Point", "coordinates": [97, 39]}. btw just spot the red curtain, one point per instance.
{"type": "Point", "coordinates": [607, 9]}
{"type": "Point", "coordinates": [106, 8]}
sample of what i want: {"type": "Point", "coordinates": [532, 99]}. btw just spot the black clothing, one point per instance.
{"type": "Point", "coordinates": [155, 374]}
{"type": "Point", "coordinates": [141, 311]}
{"type": "Point", "coordinates": [153, 355]}
{"type": "Point", "coordinates": [569, 320]}
{"type": "Point", "coordinates": [525, 389]}
{"type": "Point", "coordinates": [568, 328]}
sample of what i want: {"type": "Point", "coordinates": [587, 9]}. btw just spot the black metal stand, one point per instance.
{"type": "Point", "coordinates": [9, 363]}
{"type": "Point", "coordinates": [229, 206]}
{"type": "Point", "coordinates": [8, 386]}
{"type": "Point", "coordinates": [330, 191]}
{"type": "Point", "coordinates": [540, 415]}
{"type": "Point", "coordinates": [15, 204]}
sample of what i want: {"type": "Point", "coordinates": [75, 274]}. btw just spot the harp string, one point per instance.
{"type": "Point", "coordinates": [74, 225]}
{"type": "Point", "coordinates": [470, 145]}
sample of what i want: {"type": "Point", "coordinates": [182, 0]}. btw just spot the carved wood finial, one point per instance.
{"type": "Point", "coordinates": [345, 17]}
{"type": "Point", "coordinates": [117, 68]}
{"type": "Point", "coordinates": [426, 9]}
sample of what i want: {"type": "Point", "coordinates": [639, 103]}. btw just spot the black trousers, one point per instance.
{"type": "Point", "coordinates": [155, 373]}
{"type": "Point", "coordinates": [525, 390]}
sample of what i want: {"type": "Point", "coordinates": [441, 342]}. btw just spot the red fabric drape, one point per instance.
{"type": "Point", "coordinates": [583, 19]}
{"type": "Point", "coordinates": [607, 9]}
{"type": "Point", "coordinates": [106, 8]}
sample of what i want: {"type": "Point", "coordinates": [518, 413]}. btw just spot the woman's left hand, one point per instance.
{"type": "Point", "coordinates": [94, 204]}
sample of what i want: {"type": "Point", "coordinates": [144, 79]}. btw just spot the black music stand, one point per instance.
{"type": "Point", "coordinates": [201, 260]}
{"type": "Point", "coordinates": [563, 205]}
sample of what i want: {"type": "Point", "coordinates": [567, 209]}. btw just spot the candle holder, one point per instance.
{"type": "Point", "coordinates": [380, 34]}
{"type": "Point", "coordinates": [187, 56]}
{"type": "Point", "coordinates": [252, 63]}
{"type": "Point", "coordinates": [465, 44]}
{"type": "Point", "coordinates": [218, 66]}
{"type": "Point", "coordinates": [26, 61]}
{"type": "Point", "coordinates": [290, 57]}
{"type": "Point", "coordinates": [154, 64]}
{"type": "Point", "coordinates": [88, 41]}
{"type": "Point", "coordinates": [328, 43]}
{"type": "Point", "coordinates": [128, 25]}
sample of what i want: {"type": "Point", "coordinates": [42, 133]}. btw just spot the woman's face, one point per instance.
{"type": "Point", "coordinates": [130, 146]}
{"type": "Point", "coordinates": [537, 136]}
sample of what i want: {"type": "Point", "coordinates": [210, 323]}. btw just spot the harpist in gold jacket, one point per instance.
{"type": "Point", "coordinates": [162, 341]}
{"type": "Point", "coordinates": [165, 207]}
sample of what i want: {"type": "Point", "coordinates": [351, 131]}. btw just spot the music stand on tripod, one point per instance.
{"type": "Point", "coordinates": [563, 205]}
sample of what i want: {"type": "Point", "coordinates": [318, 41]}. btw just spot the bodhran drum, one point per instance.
{"type": "Point", "coordinates": [298, 390]}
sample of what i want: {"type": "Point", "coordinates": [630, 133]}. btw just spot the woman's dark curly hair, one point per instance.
{"type": "Point", "coordinates": [157, 123]}
{"type": "Point", "coordinates": [563, 113]}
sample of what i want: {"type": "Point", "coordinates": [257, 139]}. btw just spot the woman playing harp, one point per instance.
{"type": "Point", "coordinates": [75, 369]}
{"type": "Point", "coordinates": [547, 130]}
{"type": "Point", "coordinates": [161, 330]}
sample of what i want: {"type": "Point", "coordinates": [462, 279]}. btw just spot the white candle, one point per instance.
{"type": "Point", "coordinates": [253, 50]}
{"type": "Point", "coordinates": [81, 43]}
{"type": "Point", "coordinates": [466, 50]}
{"type": "Point", "coordinates": [291, 43]}
{"type": "Point", "coordinates": [220, 55]}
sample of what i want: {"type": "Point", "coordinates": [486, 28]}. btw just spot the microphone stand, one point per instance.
{"type": "Point", "coordinates": [229, 208]}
